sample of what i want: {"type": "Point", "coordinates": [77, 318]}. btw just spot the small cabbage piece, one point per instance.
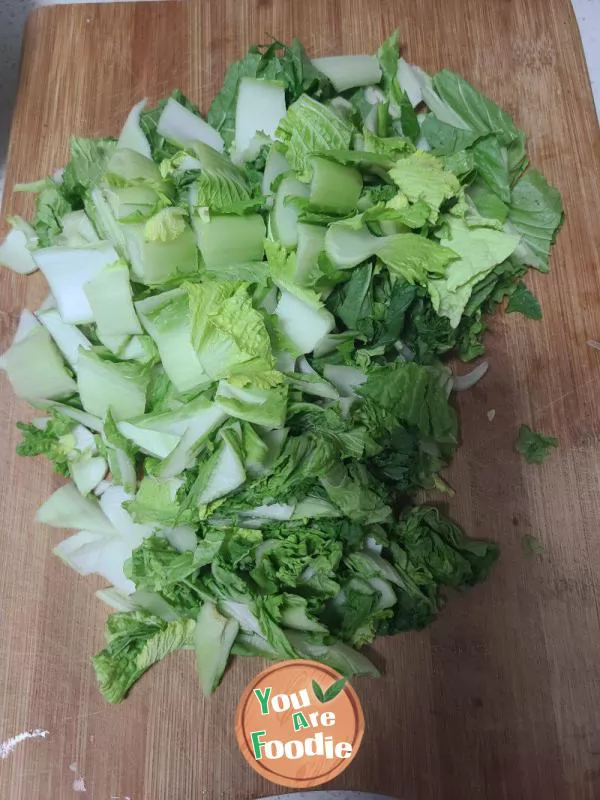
{"type": "Point", "coordinates": [129, 168]}
{"type": "Point", "coordinates": [229, 335]}
{"type": "Point", "coordinates": [156, 502]}
{"type": "Point", "coordinates": [99, 211]}
{"type": "Point", "coordinates": [308, 381]}
{"type": "Point", "coordinates": [159, 434]}
{"type": "Point", "coordinates": [105, 553]}
{"type": "Point", "coordinates": [333, 187]}
{"type": "Point", "coordinates": [200, 426]}
{"type": "Point", "coordinates": [66, 508]}
{"type": "Point", "coordinates": [302, 323]}
{"type": "Point", "coordinates": [408, 255]}
{"type": "Point", "coordinates": [301, 315]}
{"type": "Point", "coordinates": [535, 213]}
{"type": "Point", "coordinates": [184, 128]}
{"type": "Point", "coordinates": [480, 249]}
{"type": "Point", "coordinates": [261, 406]}
{"type": "Point", "coordinates": [85, 419]}
{"type": "Point", "coordinates": [167, 319]}
{"type": "Point", "coordinates": [346, 379]}
{"type": "Point", "coordinates": [68, 338]}
{"type": "Point", "coordinates": [217, 185]}
{"type": "Point", "coordinates": [409, 82]}
{"type": "Point", "coordinates": [442, 110]}
{"type": "Point", "coordinates": [153, 442]}
{"type": "Point", "coordinates": [283, 219]}
{"type": "Point", "coordinates": [166, 225]}
{"type": "Point", "coordinates": [311, 243]}
{"type": "Point", "coordinates": [77, 230]}
{"type": "Point", "coordinates": [34, 365]}
{"type": "Point", "coordinates": [110, 298]}
{"type": "Point", "coordinates": [87, 163]}
{"type": "Point", "coordinates": [54, 437]}
{"type": "Point", "coordinates": [118, 387]}
{"type": "Point", "coordinates": [534, 447]}
{"type": "Point", "coordinates": [422, 177]}
{"type": "Point", "coordinates": [222, 473]}
{"type": "Point", "coordinates": [67, 270]}
{"type": "Point", "coordinates": [88, 471]}
{"type": "Point", "coordinates": [214, 636]}
{"type": "Point", "coordinates": [345, 72]}
{"type": "Point", "coordinates": [112, 502]}
{"type": "Point", "coordinates": [89, 552]}
{"type": "Point", "coordinates": [339, 656]}
{"type": "Point", "coordinates": [275, 165]}
{"type": "Point", "coordinates": [229, 240]}
{"type": "Point", "coordinates": [135, 641]}
{"type": "Point", "coordinates": [260, 108]}
{"type": "Point", "coordinates": [156, 261]}
{"type": "Point", "coordinates": [309, 127]}
{"type": "Point", "coordinates": [15, 250]}
{"type": "Point", "coordinates": [132, 137]}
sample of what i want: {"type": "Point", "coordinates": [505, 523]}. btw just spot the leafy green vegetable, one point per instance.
{"type": "Point", "coordinates": [534, 447]}
{"type": "Point", "coordinates": [87, 163]}
{"type": "Point", "coordinates": [397, 99]}
{"type": "Point", "coordinates": [54, 440]}
{"type": "Point", "coordinates": [51, 206]}
{"type": "Point", "coordinates": [240, 357]}
{"type": "Point", "coordinates": [422, 177]}
{"type": "Point", "coordinates": [480, 250]}
{"type": "Point", "coordinates": [229, 336]}
{"type": "Point", "coordinates": [309, 128]}
{"type": "Point", "coordinates": [531, 545]}
{"type": "Point", "coordinates": [535, 213]}
{"type": "Point", "coordinates": [136, 641]}
{"type": "Point", "coordinates": [288, 64]}
{"type": "Point", "coordinates": [445, 139]}
{"type": "Point", "coordinates": [34, 365]}
{"type": "Point", "coordinates": [215, 635]}
{"type": "Point", "coordinates": [478, 112]}
{"type": "Point", "coordinates": [523, 301]}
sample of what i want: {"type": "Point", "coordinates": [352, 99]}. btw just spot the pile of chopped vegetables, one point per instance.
{"type": "Point", "coordinates": [239, 361]}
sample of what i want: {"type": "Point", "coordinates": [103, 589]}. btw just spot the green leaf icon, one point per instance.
{"type": "Point", "coordinates": [318, 692]}
{"type": "Point", "coordinates": [334, 689]}
{"type": "Point", "coordinates": [329, 694]}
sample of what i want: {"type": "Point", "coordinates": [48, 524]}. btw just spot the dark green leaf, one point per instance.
{"type": "Point", "coordinates": [487, 202]}
{"type": "Point", "coordinates": [408, 117]}
{"type": "Point", "coordinates": [479, 113]}
{"type": "Point", "coordinates": [531, 545]}
{"type": "Point", "coordinates": [445, 139]}
{"type": "Point", "coordinates": [536, 212]}
{"type": "Point", "coordinates": [534, 447]}
{"type": "Point", "coordinates": [523, 301]}
{"type": "Point", "coordinates": [491, 162]}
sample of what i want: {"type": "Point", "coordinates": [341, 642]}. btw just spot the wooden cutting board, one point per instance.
{"type": "Point", "coordinates": [501, 697]}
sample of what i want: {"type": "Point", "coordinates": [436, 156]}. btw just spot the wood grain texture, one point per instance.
{"type": "Point", "coordinates": [501, 697]}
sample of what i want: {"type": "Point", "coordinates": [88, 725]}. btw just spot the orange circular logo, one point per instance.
{"type": "Point", "coordinates": [299, 724]}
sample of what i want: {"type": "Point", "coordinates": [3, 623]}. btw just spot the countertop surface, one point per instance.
{"type": "Point", "coordinates": [499, 698]}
